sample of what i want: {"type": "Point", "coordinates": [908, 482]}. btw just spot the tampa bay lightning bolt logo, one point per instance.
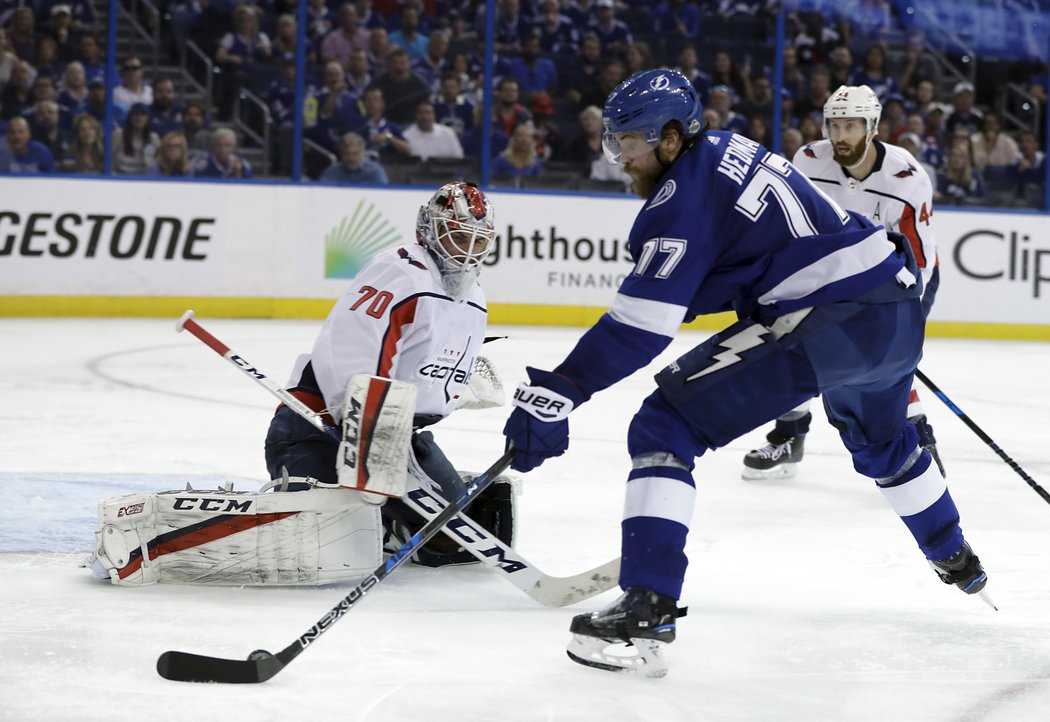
{"type": "Point", "coordinates": [663, 195]}
{"type": "Point", "coordinates": [660, 82]}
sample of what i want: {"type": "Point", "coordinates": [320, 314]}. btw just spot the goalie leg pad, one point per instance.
{"type": "Point", "coordinates": [238, 538]}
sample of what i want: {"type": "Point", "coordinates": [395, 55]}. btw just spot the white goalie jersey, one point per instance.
{"type": "Point", "coordinates": [397, 321]}
{"type": "Point", "coordinates": [897, 194]}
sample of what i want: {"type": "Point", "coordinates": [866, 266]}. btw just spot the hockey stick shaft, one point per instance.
{"type": "Point", "coordinates": [983, 436]}
{"type": "Point", "coordinates": [261, 666]}
{"type": "Point", "coordinates": [187, 323]}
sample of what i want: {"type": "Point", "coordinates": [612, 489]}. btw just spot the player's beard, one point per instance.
{"type": "Point", "coordinates": [644, 185]}
{"type": "Point", "coordinates": [853, 156]}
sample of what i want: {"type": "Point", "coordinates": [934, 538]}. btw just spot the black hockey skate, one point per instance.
{"type": "Point", "coordinates": [628, 635]}
{"type": "Point", "coordinates": [926, 439]}
{"type": "Point", "coordinates": [776, 460]}
{"type": "Point", "coordinates": [964, 570]}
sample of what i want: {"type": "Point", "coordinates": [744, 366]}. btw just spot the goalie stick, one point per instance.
{"type": "Point", "coordinates": [262, 665]}
{"type": "Point", "coordinates": [548, 590]}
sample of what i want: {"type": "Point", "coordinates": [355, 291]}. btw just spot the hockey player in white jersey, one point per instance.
{"type": "Point", "coordinates": [884, 184]}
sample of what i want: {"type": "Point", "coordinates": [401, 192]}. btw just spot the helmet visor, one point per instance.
{"type": "Point", "coordinates": [626, 147]}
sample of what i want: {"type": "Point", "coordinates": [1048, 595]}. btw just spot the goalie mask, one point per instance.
{"type": "Point", "coordinates": [457, 227]}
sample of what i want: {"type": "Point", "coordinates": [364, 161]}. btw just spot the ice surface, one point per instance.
{"type": "Point", "coordinates": [808, 599]}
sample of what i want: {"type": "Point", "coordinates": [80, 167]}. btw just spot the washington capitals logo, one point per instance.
{"type": "Point", "coordinates": [809, 152]}
{"type": "Point", "coordinates": [905, 173]}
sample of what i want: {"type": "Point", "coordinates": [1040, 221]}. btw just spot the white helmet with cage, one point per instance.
{"type": "Point", "coordinates": [854, 101]}
{"type": "Point", "coordinates": [457, 226]}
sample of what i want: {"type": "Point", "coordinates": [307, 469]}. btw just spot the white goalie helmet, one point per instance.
{"type": "Point", "coordinates": [457, 226]}
{"type": "Point", "coordinates": [853, 101]}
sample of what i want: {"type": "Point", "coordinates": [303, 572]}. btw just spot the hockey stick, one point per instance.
{"type": "Point", "coordinates": [262, 665]}
{"type": "Point", "coordinates": [186, 322]}
{"type": "Point", "coordinates": [546, 589]}
{"type": "Point", "coordinates": [983, 436]}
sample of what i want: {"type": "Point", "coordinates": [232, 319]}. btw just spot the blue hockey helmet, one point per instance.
{"type": "Point", "coordinates": [645, 103]}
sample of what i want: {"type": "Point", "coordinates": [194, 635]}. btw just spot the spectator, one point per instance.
{"type": "Point", "coordinates": [992, 147]}
{"type": "Point", "coordinates": [580, 78]}
{"type": "Point", "coordinates": [875, 75]}
{"type": "Point", "coordinates": [82, 13]}
{"type": "Point", "coordinates": [614, 34]}
{"type": "Point", "coordinates": [811, 129]}
{"type": "Point", "coordinates": [402, 89]}
{"type": "Point", "coordinates": [135, 145]}
{"type": "Point", "coordinates": [558, 34]}
{"type": "Point", "coordinates": [47, 61]}
{"type": "Point", "coordinates": [916, 67]}
{"type": "Point", "coordinates": [96, 105]}
{"type": "Point", "coordinates": [721, 103]}
{"type": "Point", "coordinates": [21, 34]}
{"type": "Point", "coordinates": [452, 107]}
{"type": "Point", "coordinates": [912, 142]}
{"type": "Point", "coordinates": [957, 181]}
{"type": "Point", "coordinates": [286, 40]}
{"type": "Point", "coordinates": [840, 67]}
{"type": "Point", "coordinates": [433, 64]}
{"type": "Point", "coordinates": [712, 120]}
{"type": "Point", "coordinates": [462, 36]}
{"type": "Point", "coordinates": [507, 112]}
{"type": "Point", "coordinates": [223, 161]}
{"type": "Point", "coordinates": [18, 94]}
{"type": "Point", "coordinates": [43, 89]}
{"type": "Point", "coordinates": [758, 131]}
{"type": "Point", "coordinates": [173, 160]}
{"type": "Point", "coordinates": [812, 103]}
{"type": "Point", "coordinates": [815, 40]}
{"type": "Point", "coordinates": [429, 139]}
{"type": "Point", "coordinates": [26, 155]}
{"type": "Point", "coordinates": [761, 103]}
{"type": "Point", "coordinates": [964, 114]}
{"type": "Point", "coordinates": [688, 65]}
{"type": "Point", "coordinates": [677, 19]}
{"type": "Point", "coordinates": [354, 167]}
{"type": "Point", "coordinates": [929, 148]}
{"type": "Point", "coordinates": [548, 134]}
{"type": "Point", "coordinates": [166, 112]}
{"type": "Point", "coordinates": [408, 36]}
{"type": "Point", "coordinates": [132, 88]}
{"type": "Point", "coordinates": [533, 73]}
{"type": "Point", "coordinates": [924, 97]}
{"type": "Point", "coordinates": [7, 59]}
{"type": "Point", "coordinates": [73, 93]}
{"type": "Point", "coordinates": [331, 111]}
{"type": "Point", "coordinates": [935, 129]}
{"type": "Point", "coordinates": [586, 147]}
{"type": "Point", "coordinates": [795, 81]}
{"type": "Point", "coordinates": [91, 58]}
{"type": "Point", "coordinates": [790, 142]}
{"type": "Point", "coordinates": [347, 38]}
{"type": "Point", "coordinates": [60, 31]}
{"type": "Point", "coordinates": [893, 115]}
{"type": "Point", "coordinates": [639, 57]}
{"type": "Point", "coordinates": [366, 16]}
{"type": "Point", "coordinates": [511, 27]}
{"type": "Point", "coordinates": [45, 129]}
{"type": "Point", "coordinates": [612, 74]}
{"type": "Point", "coordinates": [728, 74]}
{"type": "Point", "coordinates": [243, 55]}
{"type": "Point", "coordinates": [319, 20]}
{"type": "Point", "coordinates": [383, 138]}
{"type": "Point", "coordinates": [85, 152]}
{"type": "Point", "coordinates": [519, 159]}
{"type": "Point", "coordinates": [194, 128]}
{"type": "Point", "coordinates": [357, 76]}
{"type": "Point", "coordinates": [1031, 169]}
{"type": "Point", "coordinates": [378, 51]}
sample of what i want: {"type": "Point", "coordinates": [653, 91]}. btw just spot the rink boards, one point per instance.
{"type": "Point", "coordinates": [134, 248]}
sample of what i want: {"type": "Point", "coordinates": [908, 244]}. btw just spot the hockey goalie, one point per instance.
{"type": "Point", "coordinates": [352, 466]}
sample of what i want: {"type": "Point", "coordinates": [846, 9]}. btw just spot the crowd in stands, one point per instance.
{"type": "Point", "coordinates": [392, 85]}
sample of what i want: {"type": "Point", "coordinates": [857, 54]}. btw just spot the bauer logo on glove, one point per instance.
{"type": "Point", "coordinates": [544, 404]}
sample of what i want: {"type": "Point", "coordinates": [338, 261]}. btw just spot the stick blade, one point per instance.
{"type": "Point", "coordinates": [187, 667]}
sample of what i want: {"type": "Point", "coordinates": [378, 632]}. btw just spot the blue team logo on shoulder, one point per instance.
{"type": "Point", "coordinates": [348, 246]}
{"type": "Point", "coordinates": [663, 195]}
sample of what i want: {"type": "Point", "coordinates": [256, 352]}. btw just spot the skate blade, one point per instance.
{"type": "Point", "coordinates": [642, 657]}
{"type": "Point", "coordinates": [987, 599]}
{"type": "Point", "coordinates": [787, 470]}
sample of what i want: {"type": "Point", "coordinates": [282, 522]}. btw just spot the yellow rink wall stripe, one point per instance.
{"type": "Point", "coordinates": [317, 308]}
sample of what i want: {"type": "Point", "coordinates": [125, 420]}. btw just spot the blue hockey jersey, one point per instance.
{"type": "Point", "coordinates": [730, 227]}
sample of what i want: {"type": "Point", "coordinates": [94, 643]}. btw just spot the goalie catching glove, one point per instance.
{"type": "Point", "coordinates": [539, 426]}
